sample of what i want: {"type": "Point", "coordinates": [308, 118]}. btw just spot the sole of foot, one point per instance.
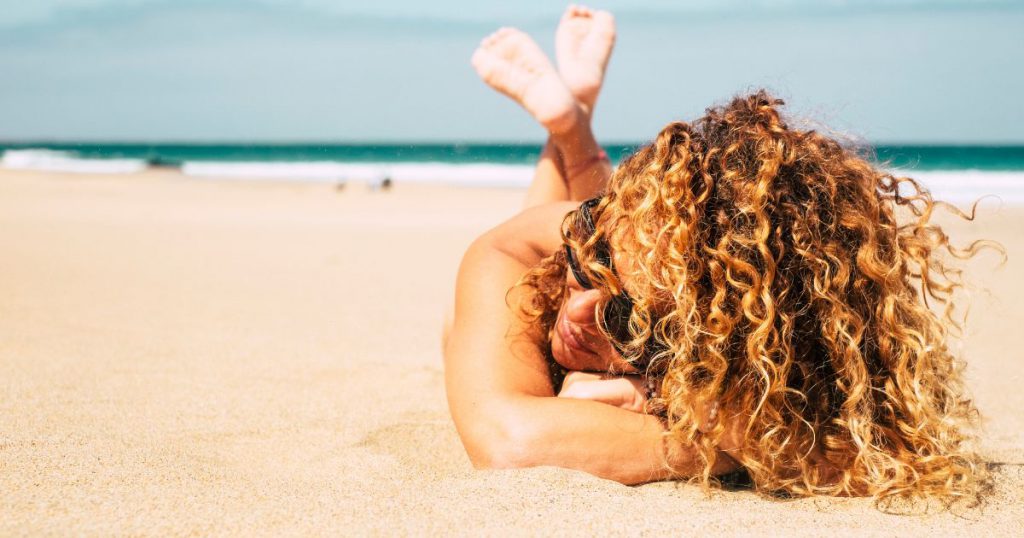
{"type": "Point", "coordinates": [512, 63]}
{"type": "Point", "coordinates": [583, 45]}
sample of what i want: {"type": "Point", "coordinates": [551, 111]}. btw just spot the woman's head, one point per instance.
{"type": "Point", "coordinates": [579, 306]}
{"type": "Point", "coordinates": [781, 274]}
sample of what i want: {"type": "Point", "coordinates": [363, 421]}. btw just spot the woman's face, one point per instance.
{"type": "Point", "coordinates": [576, 341]}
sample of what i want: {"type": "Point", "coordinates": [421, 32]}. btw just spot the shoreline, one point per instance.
{"type": "Point", "coordinates": [960, 187]}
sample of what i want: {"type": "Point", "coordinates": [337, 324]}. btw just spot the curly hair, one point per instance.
{"type": "Point", "coordinates": [803, 290]}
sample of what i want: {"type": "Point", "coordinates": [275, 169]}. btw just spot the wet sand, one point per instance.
{"type": "Point", "coordinates": [195, 357]}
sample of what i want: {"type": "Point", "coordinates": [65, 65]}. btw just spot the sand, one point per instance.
{"type": "Point", "coordinates": [181, 357]}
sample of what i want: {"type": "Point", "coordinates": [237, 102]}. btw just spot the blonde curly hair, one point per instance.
{"type": "Point", "coordinates": [802, 289]}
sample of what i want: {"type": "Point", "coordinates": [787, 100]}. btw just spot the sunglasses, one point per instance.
{"type": "Point", "coordinates": [618, 309]}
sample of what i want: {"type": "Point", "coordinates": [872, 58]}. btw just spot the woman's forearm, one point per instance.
{"type": "Point", "coordinates": [594, 437]}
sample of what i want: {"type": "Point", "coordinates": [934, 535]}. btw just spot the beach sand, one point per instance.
{"type": "Point", "coordinates": [181, 356]}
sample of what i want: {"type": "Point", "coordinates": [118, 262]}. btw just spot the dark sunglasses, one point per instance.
{"type": "Point", "coordinates": [617, 311]}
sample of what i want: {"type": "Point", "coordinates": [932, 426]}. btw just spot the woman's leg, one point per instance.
{"type": "Point", "coordinates": [548, 183]}
{"type": "Point", "coordinates": [585, 175]}
{"type": "Point", "coordinates": [572, 165]}
{"type": "Point", "coordinates": [586, 167]}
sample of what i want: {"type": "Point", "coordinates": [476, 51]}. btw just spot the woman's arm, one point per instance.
{"type": "Point", "coordinates": [499, 389]}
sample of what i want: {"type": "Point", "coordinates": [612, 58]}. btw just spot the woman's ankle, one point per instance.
{"type": "Point", "coordinates": [568, 122]}
{"type": "Point", "coordinates": [601, 157]}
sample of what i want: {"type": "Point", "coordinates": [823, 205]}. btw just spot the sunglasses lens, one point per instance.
{"type": "Point", "coordinates": [616, 317]}
{"type": "Point", "coordinates": [577, 271]}
{"type": "Point", "coordinates": [616, 322]}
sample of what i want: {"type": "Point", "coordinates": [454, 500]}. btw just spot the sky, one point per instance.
{"type": "Point", "coordinates": [897, 71]}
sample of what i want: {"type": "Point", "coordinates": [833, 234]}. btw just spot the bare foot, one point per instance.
{"type": "Point", "coordinates": [583, 45]}
{"type": "Point", "coordinates": [511, 62]}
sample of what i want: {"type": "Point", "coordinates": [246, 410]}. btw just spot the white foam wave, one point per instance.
{"type": "Point", "coordinates": [956, 186]}
{"type": "Point", "coordinates": [967, 186]}
{"type": "Point", "coordinates": [63, 161]}
{"type": "Point", "coordinates": [479, 175]}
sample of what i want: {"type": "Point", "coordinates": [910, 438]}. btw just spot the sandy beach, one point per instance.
{"type": "Point", "coordinates": [192, 357]}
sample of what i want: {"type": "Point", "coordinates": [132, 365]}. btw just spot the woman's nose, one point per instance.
{"type": "Point", "coordinates": [580, 306]}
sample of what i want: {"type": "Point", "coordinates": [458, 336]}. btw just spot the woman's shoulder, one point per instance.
{"type": "Point", "coordinates": [532, 234]}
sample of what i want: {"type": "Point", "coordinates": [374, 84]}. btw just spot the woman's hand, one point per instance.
{"type": "Point", "coordinates": [624, 391]}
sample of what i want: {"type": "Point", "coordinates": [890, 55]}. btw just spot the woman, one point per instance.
{"type": "Point", "coordinates": [738, 295]}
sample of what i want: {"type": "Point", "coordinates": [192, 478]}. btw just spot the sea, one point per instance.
{"type": "Point", "coordinates": [955, 173]}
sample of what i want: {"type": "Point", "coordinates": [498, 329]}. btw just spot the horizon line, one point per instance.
{"type": "Point", "coordinates": [396, 143]}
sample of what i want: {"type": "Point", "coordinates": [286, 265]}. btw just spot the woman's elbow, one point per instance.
{"type": "Point", "coordinates": [505, 443]}
{"type": "Point", "coordinates": [494, 456]}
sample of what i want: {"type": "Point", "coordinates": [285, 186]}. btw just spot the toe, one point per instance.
{"type": "Point", "coordinates": [480, 60]}
{"type": "Point", "coordinates": [489, 40]}
{"type": "Point", "coordinates": [478, 56]}
{"type": "Point", "coordinates": [513, 40]}
{"type": "Point", "coordinates": [517, 35]}
{"type": "Point", "coordinates": [484, 61]}
{"type": "Point", "coordinates": [605, 21]}
{"type": "Point", "coordinates": [504, 36]}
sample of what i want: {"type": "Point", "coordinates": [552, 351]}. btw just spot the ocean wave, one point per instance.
{"type": "Point", "coordinates": [968, 186]}
{"type": "Point", "coordinates": [956, 186]}
{"type": "Point", "coordinates": [64, 161]}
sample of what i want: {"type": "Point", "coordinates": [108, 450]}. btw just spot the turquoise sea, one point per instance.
{"type": "Point", "coordinates": [953, 173]}
{"type": "Point", "coordinates": [918, 157]}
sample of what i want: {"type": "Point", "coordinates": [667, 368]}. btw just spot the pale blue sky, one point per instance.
{"type": "Point", "coordinates": [928, 71]}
